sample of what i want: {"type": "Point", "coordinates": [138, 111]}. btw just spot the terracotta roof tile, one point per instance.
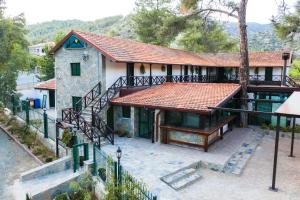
{"type": "Point", "coordinates": [46, 85]}
{"type": "Point", "coordinates": [123, 50]}
{"type": "Point", "coordinates": [195, 97]}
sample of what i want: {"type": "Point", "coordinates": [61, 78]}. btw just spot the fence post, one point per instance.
{"type": "Point", "coordinates": [27, 112]}
{"type": "Point", "coordinates": [115, 173]}
{"type": "Point", "coordinates": [13, 104]}
{"type": "Point", "coordinates": [94, 160]}
{"type": "Point", "coordinates": [45, 124]}
{"type": "Point", "coordinates": [75, 158]}
{"type": "Point", "coordinates": [86, 151]}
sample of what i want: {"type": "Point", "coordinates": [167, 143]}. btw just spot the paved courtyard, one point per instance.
{"type": "Point", "coordinates": [150, 162]}
{"type": "Point", "coordinates": [14, 161]}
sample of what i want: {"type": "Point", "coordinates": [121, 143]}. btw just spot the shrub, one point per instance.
{"type": "Point", "coordinates": [41, 150]}
{"type": "Point", "coordinates": [48, 159]}
{"type": "Point", "coordinates": [63, 196]}
{"type": "Point", "coordinates": [67, 138]}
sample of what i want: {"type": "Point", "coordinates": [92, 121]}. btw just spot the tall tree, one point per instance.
{"type": "Point", "coordinates": [155, 22]}
{"type": "Point", "coordinates": [13, 52]}
{"type": "Point", "coordinates": [287, 24]}
{"type": "Point", "coordinates": [46, 65]}
{"type": "Point", "coordinates": [237, 11]}
{"type": "Point", "coordinates": [207, 37]}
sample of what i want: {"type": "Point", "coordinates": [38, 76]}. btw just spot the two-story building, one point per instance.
{"type": "Point", "coordinates": [133, 89]}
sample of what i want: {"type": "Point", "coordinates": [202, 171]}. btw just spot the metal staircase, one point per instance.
{"type": "Point", "coordinates": [80, 116]}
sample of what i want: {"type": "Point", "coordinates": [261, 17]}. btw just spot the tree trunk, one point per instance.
{"type": "Point", "coordinates": [244, 60]}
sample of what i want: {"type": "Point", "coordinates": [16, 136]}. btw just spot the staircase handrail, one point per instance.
{"type": "Point", "coordinates": [89, 97]}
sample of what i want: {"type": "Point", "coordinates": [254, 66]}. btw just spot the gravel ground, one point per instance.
{"type": "Point", "coordinates": [13, 161]}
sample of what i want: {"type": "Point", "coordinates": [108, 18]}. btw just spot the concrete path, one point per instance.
{"type": "Point", "coordinates": [150, 162]}
{"type": "Point", "coordinates": [13, 161]}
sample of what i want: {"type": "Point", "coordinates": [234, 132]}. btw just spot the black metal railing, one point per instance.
{"type": "Point", "coordinates": [291, 82]}
{"type": "Point", "coordinates": [87, 99]}
{"type": "Point", "coordinates": [72, 117]}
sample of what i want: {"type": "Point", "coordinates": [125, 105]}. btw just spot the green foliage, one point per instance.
{"type": "Point", "coordinates": [59, 36]}
{"type": "Point", "coordinates": [13, 55]}
{"type": "Point", "coordinates": [155, 23]}
{"type": "Point", "coordinates": [46, 65]}
{"type": "Point", "coordinates": [63, 196]}
{"type": "Point", "coordinates": [286, 24]}
{"type": "Point", "coordinates": [28, 197]}
{"type": "Point", "coordinates": [40, 150]}
{"type": "Point", "coordinates": [206, 37]}
{"type": "Point", "coordinates": [82, 190]}
{"type": "Point", "coordinates": [48, 159]}
{"type": "Point", "coordinates": [67, 137]}
{"type": "Point", "coordinates": [49, 31]}
{"type": "Point", "coordinates": [295, 69]}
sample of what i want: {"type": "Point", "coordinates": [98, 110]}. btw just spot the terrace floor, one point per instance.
{"type": "Point", "coordinates": [150, 162]}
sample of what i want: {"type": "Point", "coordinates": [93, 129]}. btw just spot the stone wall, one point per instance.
{"type": "Point", "coordinates": [67, 85]}
{"type": "Point", "coordinates": [122, 124]}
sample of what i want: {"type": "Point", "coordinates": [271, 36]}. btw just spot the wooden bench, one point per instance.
{"type": "Point", "coordinates": [205, 133]}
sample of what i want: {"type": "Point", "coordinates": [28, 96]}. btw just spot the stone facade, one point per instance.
{"type": "Point", "coordinates": [67, 85]}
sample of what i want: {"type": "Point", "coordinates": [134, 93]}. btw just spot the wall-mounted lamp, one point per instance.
{"type": "Point", "coordinates": [85, 56]}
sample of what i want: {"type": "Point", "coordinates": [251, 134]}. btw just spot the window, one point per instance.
{"type": "Point", "coordinates": [188, 120]}
{"type": "Point", "coordinates": [126, 111]}
{"type": "Point", "coordinates": [191, 120]}
{"type": "Point", "coordinates": [76, 103]}
{"type": "Point", "coordinates": [75, 69]}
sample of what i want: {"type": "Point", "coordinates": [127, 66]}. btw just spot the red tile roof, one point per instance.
{"type": "Point", "coordinates": [123, 50]}
{"type": "Point", "coordinates": [189, 97]}
{"type": "Point", "coordinates": [46, 85]}
{"type": "Point", "coordinates": [256, 59]}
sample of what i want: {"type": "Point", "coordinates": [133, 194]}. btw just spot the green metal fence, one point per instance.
{"type": "Point", "coordinates": [36, 118]}
{"type": "Point", "coordinates": [113, 174]}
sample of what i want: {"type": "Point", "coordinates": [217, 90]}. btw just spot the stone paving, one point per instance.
{"type": "Point", "coordinates": [13, 162]}
{"type": "Point", "coordinates": [150, 162]}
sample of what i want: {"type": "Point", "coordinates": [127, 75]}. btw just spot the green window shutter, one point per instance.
{"type": "Point", "coordinates": [75, 69]}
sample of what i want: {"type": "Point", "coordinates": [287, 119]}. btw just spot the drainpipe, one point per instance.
{"type": "Point", "coordinates": [285, 57]}
{"type": "Point", "coordinates": [156, 124]}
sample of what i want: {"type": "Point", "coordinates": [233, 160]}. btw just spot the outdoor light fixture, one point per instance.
{"type": "Point", "coordinates": [85, 56]}
{"type": "Point", "coordinates": [119, 153]}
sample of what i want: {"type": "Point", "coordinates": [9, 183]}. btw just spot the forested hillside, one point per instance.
{"type": "Point", "coordinates": [261, 36]}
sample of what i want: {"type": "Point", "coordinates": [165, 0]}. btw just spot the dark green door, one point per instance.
{"type": "Point", "coordinates": [268, 74]}
{"type": "Point", "coordinates": [52, 98]}
{"type": "Point", "coordinates": [146, 121]}
{"type": "Point", "coordinates": [77, 106]}
{"type": "Point", "coordinates": [130, 74]}
{"type": "Point", "coordinates": [110, 117]}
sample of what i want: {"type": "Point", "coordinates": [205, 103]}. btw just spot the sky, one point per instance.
{"type": "Point", "coordinates": [37, 11]}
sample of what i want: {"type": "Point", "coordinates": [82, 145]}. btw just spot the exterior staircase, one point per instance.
{"type": "Point", "coordinates": [183, 177]}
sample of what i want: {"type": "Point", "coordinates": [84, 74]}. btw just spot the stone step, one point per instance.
{"type": "Point", "coordinates": [40, 187]}
{"type": "Point", "coordinates": [174, 177]}
{"type": "Point", "coordinates": [187, 180]}
{"type": "Point", "coordinates": [238, 161]}
{"type": "Point", "coordinates": [183, 177]}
